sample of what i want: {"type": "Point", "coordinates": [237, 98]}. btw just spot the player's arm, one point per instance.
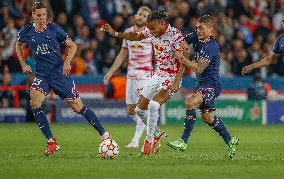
{"type": "Point", "coordinates": [123, 35]}
{"type": "Point", "coordinates": [20, 53]}
{"type": "Point", "coordinates": [262, 63]}
{"type": "Point", "coordinates": [185, 51]}
{"type": "Point", "coordinates": [121, 57]}
{"type": "Point", "coordinates": [197, 68]}
{"type": "Point", "coordinates": [72, 49]}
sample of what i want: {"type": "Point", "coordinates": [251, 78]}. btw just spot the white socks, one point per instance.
{"type": "Point", "coordinates": [140, 126]}
{"type": "Point", "coordinates": [143, 114]}
{"type": "Point", "coordinates": [152, 119]}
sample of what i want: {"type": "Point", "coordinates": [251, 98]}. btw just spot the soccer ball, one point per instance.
{"type": "Point", "coordinates": [108, 149]}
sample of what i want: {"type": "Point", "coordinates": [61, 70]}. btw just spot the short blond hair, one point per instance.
{"type": "Point", "coordinates": [145, 8]}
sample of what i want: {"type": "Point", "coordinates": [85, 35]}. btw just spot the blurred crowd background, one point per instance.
{"type": "Point", "coordinates": [246, 30]}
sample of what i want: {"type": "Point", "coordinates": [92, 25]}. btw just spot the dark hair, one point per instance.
{"type": "Point", "coordinates": [39, 4]}
{"type": "Point", "coordinates": [207, 20]}
{"type": "Point", "coordinates": [157, 14]}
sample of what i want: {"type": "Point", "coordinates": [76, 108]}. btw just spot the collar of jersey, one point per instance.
{"type": "Point", "coordinates": [206, 40]}
{"type": "Point", "coordinates": [39, 31]}
{"type": "Point", "coordinates": [165, 30]}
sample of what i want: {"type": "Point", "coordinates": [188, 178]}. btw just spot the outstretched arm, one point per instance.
{"type": "Point", "coordinates": [262, 63]}
{"type": "Point", "coordinates": [123, 35]}
{"type": "Point", "coordinates": [121, 57]}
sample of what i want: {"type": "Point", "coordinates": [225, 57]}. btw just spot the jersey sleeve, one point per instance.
{"type": "Point", "coordinates": [178, 40]}
{"type": "Point", "coordinates": [21, 35]}
{"type": "Point", "coordinates": [61, 35]}
{"type": "Point", "coordinates": [276, 49]}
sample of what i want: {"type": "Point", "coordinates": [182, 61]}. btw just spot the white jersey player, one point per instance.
{"type": "Point", "coordinates": [139, 69]}
{"type": "Point", "coordinates": [167, 76]}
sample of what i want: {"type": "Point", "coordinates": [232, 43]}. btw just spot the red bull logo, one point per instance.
{"type": "Point", "coordinates": [137, 46]}
{"type": "Point", "coordinates": [159, 48]}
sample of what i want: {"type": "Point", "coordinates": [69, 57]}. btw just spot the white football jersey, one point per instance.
{"type": "Point", "coordinates": [139, 57]}
{"type": "Point", "coordinates": [167, 65]}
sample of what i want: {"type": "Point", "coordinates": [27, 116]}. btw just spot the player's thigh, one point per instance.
{"type": "Point", "coordinates": [193, 101]}
{"type": "Point", "coordinates": [38, 90]}
{"type": "Point", "coordinates": [133, 90]}
{"type": "Point", "coordinates": [151, 88]}
{"type": "Point", "coordinates": [76, 105]}
{"type": "Point", "coordinates": [65, 88]}
{"type": "Point", "coordinates": [37, 98]}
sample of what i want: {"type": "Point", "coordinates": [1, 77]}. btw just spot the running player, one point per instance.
{"type": "Point", "coordinates": [206, 67]}
{"type": "Point", "coordinates": [44, 39]}
{"type": "Point", "coordinates": [168, 72]}
{"type": "Point", "coordinates": [139, 70]}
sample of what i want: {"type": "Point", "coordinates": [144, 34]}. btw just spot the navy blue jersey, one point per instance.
{"type": "Point", "coordinates": [208, 51]}
{"type": "Point", "coordinates": [278, 47]}
{"type": "Point", "coordinates": [45, 47]}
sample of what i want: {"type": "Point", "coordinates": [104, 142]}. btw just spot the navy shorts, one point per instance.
{"type": "Point", "coordinates": [64, 87]}
{"type": "Point", "coordinates": [208, 95]}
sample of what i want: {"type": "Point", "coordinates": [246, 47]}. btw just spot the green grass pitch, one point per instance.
{"type": "Point", "coordinates": [260, 154]}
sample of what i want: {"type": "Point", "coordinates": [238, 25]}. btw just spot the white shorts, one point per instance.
{"type": "Point", "coordinates": [156, 84]}
{"type": "Point", "coordinates": [133, 89]}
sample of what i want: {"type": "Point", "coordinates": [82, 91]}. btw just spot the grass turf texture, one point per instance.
{"type": "Point", "coordinates": [260, 154]}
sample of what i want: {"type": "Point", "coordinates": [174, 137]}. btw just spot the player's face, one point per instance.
{"type": "Point", "coordinates": [40, 16]}
{"type": "Point", "coordinates": [141, 18]}
{"type": "Point", "coordinates": [203, 31]}
{"type": "Point", "coordinates": [155, 27]}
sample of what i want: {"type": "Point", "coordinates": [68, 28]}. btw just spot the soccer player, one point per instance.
{"type": "Point", "coordinates": [168, 72]}
{"type": "Point", "coordinates": [277, 51]}
{"type": "Point", "coordinates": [139, 70]}
{"type": "Point", "coordinates": [44, 39]}
{"type": "Point", "coordinates": [206, 67]}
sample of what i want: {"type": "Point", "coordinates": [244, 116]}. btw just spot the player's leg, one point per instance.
{"type": "Point", "coordinates": [39, 89]}
{"type": "Point", "coordinates": [154, 105]}
{"type": "Point", "coordinates": [139, 128]}
{"type": "Point", "coordinates": [133, 91]}
{"type": "Point", "coordinates": [65, 88]}
{"type": "Point", "coordinates": [189, 121]}
{"type": "Point", "coordinates": [78, 107]}
{"type": "Point", "coordinates": [208, 116]}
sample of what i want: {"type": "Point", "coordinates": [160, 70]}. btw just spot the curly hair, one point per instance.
{"type": "Point", "coordinates": [38, 4]}
{"type": "Point", "coordinates": [157, 14]}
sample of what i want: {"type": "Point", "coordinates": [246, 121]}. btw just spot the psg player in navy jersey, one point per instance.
{"type": "Point", "coordinates": [208, 84]}
{"type": "Point", "coordinates": [277, 51]}
{"type": "Point", "coordinates": [43, 40]}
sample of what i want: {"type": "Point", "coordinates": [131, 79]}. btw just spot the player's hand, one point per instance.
{"type": "Point", "coordinates": [66, 68]}
{"type": "Point", "coordinates": [180, 57]}
{"type": "Point", "coordinates": [107, 28]}
{"type": "Point", "coordinates": [107, 77]}
{"type": "Point", "coordinates": [26, 69]}
{"type": "Point", "coordinates": [247, 69]}
{"type": "Point", "coordinates": [174, 87]}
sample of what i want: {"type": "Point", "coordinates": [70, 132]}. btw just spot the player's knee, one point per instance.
{"type": "Point", "coordinates": [190, 105]}
{"type": "Point", "coordinates": [153, 105]}
{"type": "Point", "coordinates": [76, 108]}
{"type": "Point", "coordinates": [35, 103]}
{"type": "Point", "coordinates": [207, 119]}
{"type": "Point", "coordinates": [130, 111]}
